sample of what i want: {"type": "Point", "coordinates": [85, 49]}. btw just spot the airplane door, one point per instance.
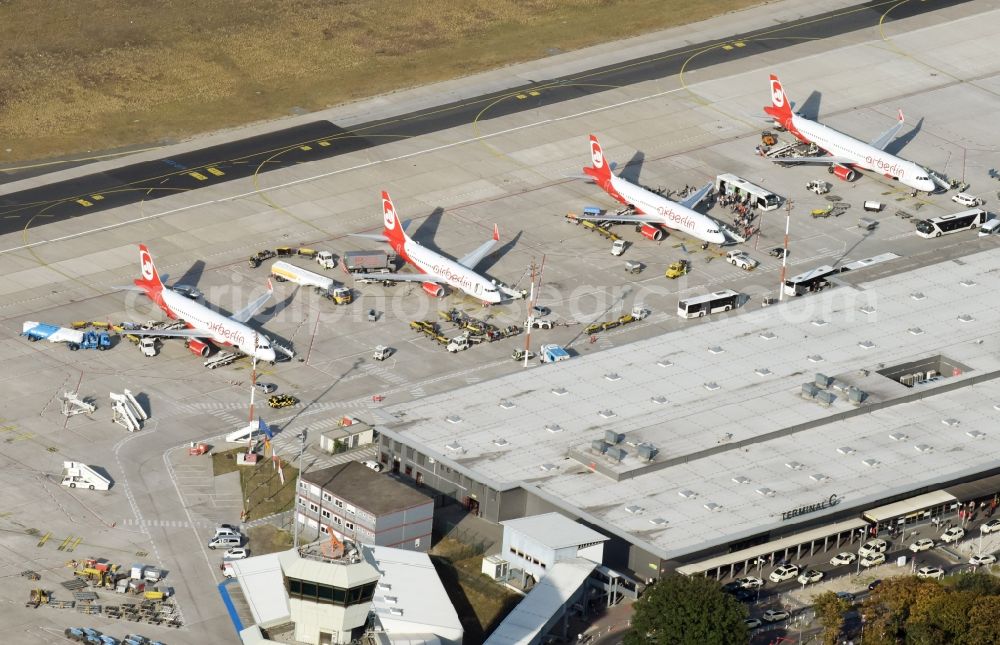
{"type": "Point", "coordinates": [479, 289]}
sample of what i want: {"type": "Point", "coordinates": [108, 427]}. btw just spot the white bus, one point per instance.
{"type": "Point", "coordinates": [708, 304]}
{"type": "Point", "coordinates": [761, 198]}
{"type": "Point", "coordinates": [964, 221]}
{"type": "Point", "coordinates": [813, 280]}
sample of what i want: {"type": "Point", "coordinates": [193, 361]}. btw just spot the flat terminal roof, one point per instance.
{"type": "Point", "coordinates": [905, 506]}
{"type": "Point", "coordinates": [264, 588]}
{"type": "Point", "coordinates": [363, 487]}
{"type": "Point", "coordinates": [524, 624]}
{"type": "Point", "coordinates": [410, 584]}
{"type": "Point", "coordinates": [554, 530]}
{"type": "Point", "coordinates": [738, 444]}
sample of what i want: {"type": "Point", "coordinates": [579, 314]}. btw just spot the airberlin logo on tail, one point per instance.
{"type": "Point", "coordinates": [777, 94]}
{"type": "Point", "coordinates": [596, 155]}
{"type": "Point", "coordinates": [390, 214]}
{"type": "Point", "coordinates": [146, 263]}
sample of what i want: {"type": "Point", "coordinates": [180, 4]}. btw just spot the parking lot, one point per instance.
{"type": "Point", "coordinates": [455, 185]}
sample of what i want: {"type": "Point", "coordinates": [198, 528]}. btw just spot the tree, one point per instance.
{"type": "Point", "coordinates": [831, 609]}
{"type": "Point", "coordinates": [984, 621]}
{"type": "Point", "coordinates": [679, 610]}
{"type": "Point", "coordinates": [982, 584]}
{"type": "Point", "coordinates": [940, 617]}
{"type": "Point", "coordinates": [887, 608]}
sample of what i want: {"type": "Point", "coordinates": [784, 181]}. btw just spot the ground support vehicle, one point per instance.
{"type": "Point", "coordinates": [742, 260]}
{"type": "Point", "coordinates": [282, 401]}
{"type": "Point", "coordinates": [149, 345]}
{"type": "Point", "coordinates": [283, 271]}
{"type": "Point", "coordinates": [37, 598]}
{"type": "Point", "coordinates": [326, 259]}
{"type": "Point", "coordinates": [429, 329]}
{"type": "Point", "coordinates": [79, 475]}
{"type": "Point", "coordinates": [382, 352]}
{"type": "Point", "coordinates": [478, 327]}
{"type": "Point", "coordinates": [818, 186]}
{"type": "Point", "coordinates": [598, 226]}
{"type": "Point", "coordinates": [463, 342]}
{"type": "Point", "coordinates": [618, 247]}
{"type": "Point", "coordinates": [632, 266]}
{"type": "Point", "coordinates": [368, 262]}
{"type": "Point", "coordinates": [53, 333]}
{"type": "Point", "coordinates": [519, 354]}
{"type": "Point", "coordinates": [260, 257]}
{"type": "Point", "coordinates": [638, 313]}
{"type": "Point", "coordinates": [553, 353]}
{"type": "Point", "coordinates": [677, 269]}
{"type": "Point", "coordinates": [709, 303]}
{"type": "Point", "coordinates": [95, 340]}
{"type": "Point", "coordinates": [340, 296]}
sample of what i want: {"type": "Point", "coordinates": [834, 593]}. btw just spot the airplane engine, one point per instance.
{"type": "Point", "coordinates": [652, 232]}
{"type": "Point", "coordinates": [198, 348]}
{"type": "Point", "coordinates": [433, 289]}
{"type": "Point", "coordinates": [843, 172]}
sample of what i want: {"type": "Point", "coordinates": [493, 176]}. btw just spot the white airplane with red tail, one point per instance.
{"type": "Point", "coordinates": [205, 326]}
{"type": "Point", "coordinates": [845, 152]}
{"type": "Point", "coordinates": [654, 211]}
{"type": "Point", "coordinates": [435, 269]}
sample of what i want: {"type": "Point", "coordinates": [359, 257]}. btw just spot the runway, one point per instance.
{"type": "Point", "coordinates": [323, 139]}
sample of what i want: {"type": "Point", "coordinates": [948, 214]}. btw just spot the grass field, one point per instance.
{"type": "Point", "coordinates": [78, 79]}
{"type": "Point", "coordinates": [260, 484]}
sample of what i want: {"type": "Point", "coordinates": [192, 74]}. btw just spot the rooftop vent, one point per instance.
{"type": "Point", "coordinates": [923, 447]}
{"type": "Point", "coordinates": [898, 436]}
{"type": "Point", "coordinates": [809, 391]}
{"type": "Point", "coordinates": [607, 414]}
{"type": "Point", "coordinates": [794, 465]}
{"type": "Point", "coordinates": [976, 434]}
{"type": "Point", "coordinates": [819, 322]}
{"type": "Point", "coordinates": [687, 494]}
{"type": "Point", "coordinates": [553, 427]}
{"type": "Point", "coordinates": [500, 441]}
{"type": "Point", "coordinates": [819, 477]}
{"type": "Point", "coordinates": [454, 418]}
{"type": "Point", "coordinates": [506, 405]}
{"type": "Point", "coordinates": [392, 600]}
{"type": "Point", "coordinates": [612, 376]}
{"type": "Point", "coordinates": [647, 451]}
{"type": "Point", "coordinates": [996, 406]}
{"type": "Point", "coordinates": [560, 391]}
{"type": "Point", "coordinates": [548, 467]}
{"type": "Point", "coordinates": [765, 491]}
{"type": "Point", "coordinates": [868, 309]}
{"type": "Point", "coordinates": [711, 386]}
{"type": "Point", "coordinates": [741, 479]}
{"type": "Point", "coordinates": [856, 395]}
{"type": "Point", "coordinates": [635, 509]}
{"type": "Point", "coordinates": [599, 446]}
{"type": "Point", "coordinates": [846, 450]}
{"type": "Point", "coordinates": [616, 453]}
{"type": "Point", "coordinates": [659, 400]}
{"type": "Point", "coordinates": [384, 585]}
{"type": "Point", "coordinates": [396, 611]}
{"type": "Point", "coordinates": [715, 349]}
{"type": "Point", "coordinates": [871, 462]}
{"type": "Point", "coordinates": [968, 283]}
{"type": "Point", "coordinates": [916, 331]}
{"type": "Point", "coordinates": [815, 358]}
{"type": "Point", "coordinates": [613, 437]}
{"type": "Point", "coordinates": [822, 380]}
{"type": "Point", "coordinates": [917, 295]}
{"type": "Point", "coordinates": [658, 521]}
{"type": "Point", "coordinates": [839, 385]}
{"type": "Point", "coordinates": [454, 446]}
{"type": "Point", "coordinates": [950, 422]}
{"type": "Point", "coordinates": [663, 362]}
{"type": "Point", "coordinates": [712, 506]}
{"type": "Point", "coordinates": [762, 371]}
{"type": "Point", "coordinates": [965, 318]}
{"type": "Point", "coordinates": [826, 399]}
{"type": "Point", "coordinates": [768, 335]}
{"type": "Point", "coordinates": [866, 344]}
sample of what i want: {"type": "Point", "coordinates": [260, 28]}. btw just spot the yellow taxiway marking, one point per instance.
{"type": "Point", "coordinates": [215, 171]}
{"type": "Point", "coordinates": [198, 176]}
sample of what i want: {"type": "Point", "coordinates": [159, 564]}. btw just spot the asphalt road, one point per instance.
{"type": "Point", "coordinates": [323, 139]}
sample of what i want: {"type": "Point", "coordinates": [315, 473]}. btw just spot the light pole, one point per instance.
{"type": "Point", "coordinates": [784, 256]}
{"type": "Point", "coordinates": [295, 508]}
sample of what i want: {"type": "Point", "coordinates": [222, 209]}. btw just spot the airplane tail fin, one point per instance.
{"type": "Point", "coordinates": [393, 230]}
{"type": "Point", "coordinates": [780, 107]}
{"type": "Point", "coordinates": [150, 281]}
{"type": "Point", "coordinates": [600, 171]}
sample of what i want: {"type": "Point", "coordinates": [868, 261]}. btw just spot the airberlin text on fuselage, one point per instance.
{"type": "Point", "coordinates": [232, 336]}
{"type": "Point", "coordinates": [455, 279]}
{"type": "Point", "coordinates": [884, 167]}
{"type": "Point", "coordinates": [680, 220]}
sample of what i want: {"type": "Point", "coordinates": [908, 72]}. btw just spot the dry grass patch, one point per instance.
{"type": "Point", "coordinates": [123, 72]}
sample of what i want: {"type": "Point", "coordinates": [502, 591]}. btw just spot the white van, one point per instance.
{"type": "Point", "coordinates": [990, 227]}
{"type": "Point", "coordinates": [965, 199]}
{"type": "Point", "coordinates": [224, 542]}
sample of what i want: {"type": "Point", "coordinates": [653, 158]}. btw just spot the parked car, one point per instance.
{"type": "Point", "coordinates": [374, 465]}
{"type": "Point", "coordinates": [922, 544]}
{"type": "Point", "coordinates": [845, 595]}
{"type": "Point", "coordinates": [778, 252]}
{"type": "Point", "coordinates": [732, 587]}
{"type": "Point", "coordinates": [784, 572]}
{"type": "Point", "coordinates": [872, 560]}
{"type": "Point", "coordinates": [965, 199]}
{"type": "Point", "coordinates": [751, 582]}
{"type": "Point", "coordinates": [877, 545]}
{"type": "Point", "coordinates": [990, 527]}
{"type": "Point", "coordinates": [810, 575]}
{"type": "Point", "coordinates": [774, 615]}
{"type": "Point", "coordinates": [752, 623]}
{"type": "Point", "coordinates": [954, 534]}
{"type": "Point", "coordinates": [236, 553]}
{"type": "Point", "coordinates": [873, 585]}
{"type": "Point", "coordinates": [933, 573]}
{"type": "Point", "coordinates": [265, 388]}
{"type": "Point", "coordinates": [978, 560]}
{"type": "Point", "coordinates": [843, 558]}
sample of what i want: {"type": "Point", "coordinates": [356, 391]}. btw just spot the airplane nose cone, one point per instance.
{"type": "Point", "coordinates": [266, 355]}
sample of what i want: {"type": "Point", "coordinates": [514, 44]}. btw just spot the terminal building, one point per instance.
{"type": "Point", "coordinates": [806, 425]}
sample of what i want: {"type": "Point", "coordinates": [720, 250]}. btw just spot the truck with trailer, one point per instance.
{"type": "Point", "coordinates": [284, 272]}
{"type": "Point", "coordinates": [368, 262]}
{"type": "Point", "coordinates": [53, 333]}
{"type": "Point", "coordinates": [79, 475]}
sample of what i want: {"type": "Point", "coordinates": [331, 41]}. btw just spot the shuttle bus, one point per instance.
{"type": "Point", "coordinates": [964, 221]}
{"type": "Point", "coordinates": [814, 280]}
{"type": "Point", "coordinates": [708, 304]}
{"type": "Point", "coordinates": [761, 198]}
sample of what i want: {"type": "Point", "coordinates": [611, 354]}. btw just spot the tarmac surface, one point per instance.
{"type": "Point", "coordinates": [456, 183]}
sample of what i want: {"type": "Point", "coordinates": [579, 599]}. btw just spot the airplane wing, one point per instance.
{"type": "Point", "coordinates": [611, 217]}
{"type": "Point", "coordinates": [251, 309]}
{"type": "Point", "coordinates": [170, 333]}
{"type": "Point", "coordinates": [692, 200]}
{"type": "Point", "coordinates": [378, 237]}
{"type": "Point", "coordinates": [472, 259]}
{"type": "Point", "coordinates": [883, 139]}
{"type": "Point", "coordinates": [815, 160]}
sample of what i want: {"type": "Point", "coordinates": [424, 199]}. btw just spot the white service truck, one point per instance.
{"type": "Point", "coordinates": [285, 272]}
{"type": "Point", "coordinates": [326, 260]}
{"type": "Point", "coordinates": [79, 475]}
{"type": "Point", "coordinates": [742, 260]}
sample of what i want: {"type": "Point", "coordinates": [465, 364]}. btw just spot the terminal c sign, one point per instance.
{"type": "Point", "coordinates": [833, 500]}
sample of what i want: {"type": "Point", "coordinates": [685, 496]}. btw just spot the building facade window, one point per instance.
{"type": "Point", "coordinates": [325, 514]}
{"type": "Point", "coordinates": [313, 507]}
{"type": "Point", "coordinates": [326, 594]}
